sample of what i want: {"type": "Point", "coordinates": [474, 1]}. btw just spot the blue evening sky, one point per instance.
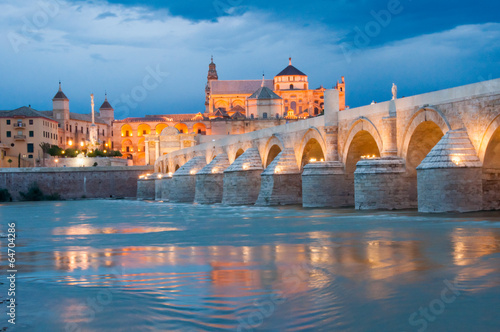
{"type": "Point", "coordinates": [115, 45]}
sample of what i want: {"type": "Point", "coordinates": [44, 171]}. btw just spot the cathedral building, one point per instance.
{"type": "Point", "coordinates": [227, 97]}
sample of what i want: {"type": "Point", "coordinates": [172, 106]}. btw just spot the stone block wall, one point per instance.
{"type": "Point", "coordinates": [182, 189]}
{"type": "Point", "coordinates": [241, 187]}
{"type": "Point", "coordinates": [75, 183]}
{"type": "Point", "coordinates": [209, 181]}
{"type": "Point", "coordinates": [281, 182]}
{"type": "Point", "coordinates": [146, 189]}
{"type": "Point", "coordinates": [163, 189]}
{"type": "Point", "coordinates": [209, 188]}
{"type": "Point", "coordinates": [450, 189]}
{"type": "Point", "coordinates": [280, 189]}
{"type": "Point", "coordinates": [491, 189]}
{"type": "Point", "coordinates": [382, 184]}
{"type": "Point", "coordinates": [326, 185]}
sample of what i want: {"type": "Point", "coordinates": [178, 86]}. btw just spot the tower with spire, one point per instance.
{"type": "Point", "coordinates": [60, 106]}
{"type": "Point", "coordinates": [212, 76]}
{"type": "Point", "coordinates": [106, 111]}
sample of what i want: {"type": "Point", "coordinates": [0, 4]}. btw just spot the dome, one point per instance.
{"type": "Point", "coordinates": [169, 131]}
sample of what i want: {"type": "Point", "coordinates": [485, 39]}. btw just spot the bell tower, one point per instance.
{"type": "Point", "coordinates": [212, 76]}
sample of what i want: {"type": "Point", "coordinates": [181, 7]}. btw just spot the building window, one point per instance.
{"type": "Point", "coordinates": [70, 128]}
{"type": "Point", "coordinates": [8, 122]}
{"type": "Point", "coordinates": [128, 149]}
{"type": "Point", "coordinates": [30, 156]}
{"type": "Point", "coordinates": [66, 127]}
{"type": "Point", "coordinates": [76, 129]}
{"type": "Point", "coordinates": [81, 130]}
{"type": "Point", "coordinates": [291, 86]}
{"type": "Point", "coordinates": [251, 116]}
{"type": "Point", "coordinates": [87, 130]}
{"type": "Point", "coordinates": [32, 133]}
{"type": "Point", "coordinates": [144, 132]}
{"type": "Point", "coordinates": [30, 148]}
{"type": "Point", "coordinates": [9, 134]}
{"type": "Point", "coordinates": [264, 115]}
{"type": "Point", "coordinates": [127, 133]}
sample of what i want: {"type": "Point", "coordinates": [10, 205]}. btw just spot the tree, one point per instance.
{"type": "Point", "coordinates": [45, 149]}
{"type": "Point", "coordinates": [9, 161]}
{"type": "Point", "coordinates": [19, 161]}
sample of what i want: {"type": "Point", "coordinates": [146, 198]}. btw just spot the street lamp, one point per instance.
{"type": "Point", "coordinates": [70, 143]}
{"type": "Point", "coordinates": [57, 160]}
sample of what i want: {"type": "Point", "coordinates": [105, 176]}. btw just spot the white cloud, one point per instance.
{"type": "Point", "coordinates": [91, 55]}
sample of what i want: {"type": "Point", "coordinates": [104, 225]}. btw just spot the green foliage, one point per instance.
{"type": "Point", "coordinates": [5, 196]}
{"type": "Point", "coordinates": [95, 164]}
{"type": "Point", "coordinates": [55, 151]}
{"type": "Point", "coordinates": [116, 153]}
{"type": "Point", "coordinates": [45, 147]}
{"type": "Point", "coordinates": [70, 153]}
{"type": "Point", "coordinates": [35, 194]}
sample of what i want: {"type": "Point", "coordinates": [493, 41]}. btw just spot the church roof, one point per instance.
{"type": "Point", "coordinates": [24, 111]}
{"type": "Point", "coordinates": [106, 105]}
{"type": "Point", "coordinates": [60, 94]}
{"type": "Point", "coordinates": [291, 71]}
{"type": "Point", "coordinates": [238, 116]}
{"type": "Point", "coordinates": [264, 93]}
{"type": "Point", "coordinates": [86, 117]}
{"type": "Point", "coordinates": [238, 86]}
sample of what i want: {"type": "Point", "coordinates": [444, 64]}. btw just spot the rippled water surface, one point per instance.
{"type": "Point", "coordinates": [148, 266]}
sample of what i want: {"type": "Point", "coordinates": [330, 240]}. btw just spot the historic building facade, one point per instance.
{"type": "Point", "coordinates": [291, 85]}
{"type": "Point", "coordinates": [232, 107]}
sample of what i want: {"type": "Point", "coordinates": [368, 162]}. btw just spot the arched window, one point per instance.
{"type": "Point", "coordinates": [291, 86]}
{"type": "Point", "coordinates": [277, 87]}
{"type": "Point", "coordinates": [293, 106]}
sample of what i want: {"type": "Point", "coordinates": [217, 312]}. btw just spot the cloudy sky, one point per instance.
{"type": "Point", "coordinates": [152, 56]}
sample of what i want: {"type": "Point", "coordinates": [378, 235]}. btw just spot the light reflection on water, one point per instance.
{"type": "Point", "coordinates": [154, 267]}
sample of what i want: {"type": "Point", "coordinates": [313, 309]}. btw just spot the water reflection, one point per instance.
{"type": "Point", "coordinates": [321, 274]}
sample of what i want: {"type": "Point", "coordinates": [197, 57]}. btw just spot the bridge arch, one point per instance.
{"type": "Point", "coordinates": [361, 130]}
{"type": "Point", "coordinates": [489, 134]}
{"type": "Point", "coordinates": [272, 148]}
{"type": "Point", "coordinates": [490, 156]}
{"type": "Point", "coordinates": [426, 114]}
{"type": "Point", "coordinates": [312, 146]}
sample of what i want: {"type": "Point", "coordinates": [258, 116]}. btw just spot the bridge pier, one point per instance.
{"type": "Point", "coordinates": [210, 181]}
{"type": "Point", "coordinates": [242, 179]}
{"type": "Point", "coordinates": [382, 184]}
{"type": "Point", "coordinates": [146, 187]}
{"type": "Point", "coordinates": [281, 182]}
{"type": "Point", "coordinates": [325, 184]}
{"type": "Point", "coordinates": [163, 188]}
{"type": "Point", "coordinates": [450, 176]}
{"type": "Point", "coordinates": [183, 185]}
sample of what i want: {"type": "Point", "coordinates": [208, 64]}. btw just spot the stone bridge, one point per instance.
{"type": "Point", "coordinates": [438, 151]}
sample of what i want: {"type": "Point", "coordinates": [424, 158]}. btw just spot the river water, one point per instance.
{"type": "Point", "coordinates": [104, 265]}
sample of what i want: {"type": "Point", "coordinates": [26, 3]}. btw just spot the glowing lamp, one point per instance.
{"type": "Point", "coordinates": [70, 142]}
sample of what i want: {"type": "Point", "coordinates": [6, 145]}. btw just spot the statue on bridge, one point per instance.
{"type": "Point", "coordinates": [394, 91]}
